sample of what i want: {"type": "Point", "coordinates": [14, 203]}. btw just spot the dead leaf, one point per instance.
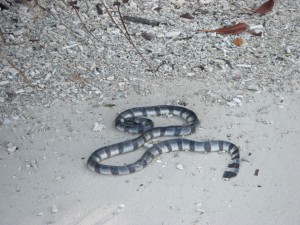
{"type": "Point", "coordinates": [238, 41]}
{"type": "Point", "coordinates": [235, 29]}
{"type": "Point", "coordinates": [187, 16]}
{"type": "Point", "coordinates": [266, 7]}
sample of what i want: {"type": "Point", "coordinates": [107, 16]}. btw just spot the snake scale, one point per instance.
{"type": "Point", "coordinates": [134, 121]}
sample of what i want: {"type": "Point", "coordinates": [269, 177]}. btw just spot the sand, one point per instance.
{"type": "Point", "coordinates": [46, 181]}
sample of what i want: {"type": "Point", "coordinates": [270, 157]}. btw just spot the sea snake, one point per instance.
{"type": "Point", "coordinates": [134, 121]}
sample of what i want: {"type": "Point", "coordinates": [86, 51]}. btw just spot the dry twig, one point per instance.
{"type": "Point", "coordinates": [83, 24]}
{"type": "Point", "coordinates": [126, 33]}
{"type": "Point", "coordinates": [16, 68]}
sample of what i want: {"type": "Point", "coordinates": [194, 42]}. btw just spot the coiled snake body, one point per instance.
{"type": "Point", "coordinates": [134, 121]}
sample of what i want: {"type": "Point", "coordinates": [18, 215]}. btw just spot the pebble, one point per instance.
{"type": "Point", "coordinates": [172, 34]}
{"type": "Point", "coordinates": [235, 102]}
{"type": "Point", "coordinates": [54, 209]}
{"type": "Point", "coordinates": [5, 82]}
{"type": "Point", "coordinates": [28, 89]}
{"type": "Point", "coordinates": [121, 206]}
{"type": "Point", "coordinates": [179, 166]}
{"type": "Point", "coordinates": [253, 87]}
{"type": "Point", "coordinates": [48, 76]}
{"type": "Point", "coordinates": [20, 91]}
{"type": "Point", "coordinates": [257, 29]}
{"type": "Point", "coordinates": [110, 78]}
{"type": "Point", "coordinates": [12, 71]}
{"type": "Point", "coordinates": [11, 148]}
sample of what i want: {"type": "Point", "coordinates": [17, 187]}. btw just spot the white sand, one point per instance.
{"type": "Point", "coordinates": [48, 169]}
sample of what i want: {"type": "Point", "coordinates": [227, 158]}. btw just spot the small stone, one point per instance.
{"type": "Point", "coordinates": [11, 148]}
{"type": "Point", "coordinates": [257, 29]}
{"type": "Point", "coordinates": [253, 87]}
{"type": "Point", "coordinates": [5, 82]}
{"type": "Point", "coordinates": [110, 78]}
{"type": "Point", "coordinates": [28, 89]}
{"type": "Point", "coordinates": [238, 101]}
{"type": "Point", "coordinates": [20, 91]}
{"type": "Point", "coordinates": [121, 206]}
{"type": "Point", "coordinates": [48, 76]}
{"type": "Point", "coordinates": [172, 34]}
{"type": "Point", "coordinates": [54, 209]}
{"type": "Point", "coordinates": [179, 166]}
{"type": "Point", "coordinates": [235, 102]}
{"type": "Point", "coordinates": [12, 71]}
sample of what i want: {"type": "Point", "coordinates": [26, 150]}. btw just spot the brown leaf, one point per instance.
{"type": "Point", "coordinates": [187, 16]}
{"type": "Point", "coordinates": [238, 41]}
{"type": "Point", "coordinates": [235, 29]}
{"type": "Point", "coordinates": [266, 7]}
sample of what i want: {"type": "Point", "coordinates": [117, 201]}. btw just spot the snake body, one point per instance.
{"type": "Point", "coordinates": [134, 121]}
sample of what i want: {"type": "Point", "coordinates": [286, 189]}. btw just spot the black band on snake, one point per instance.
{"type": "Point", "coordinates": [134, 121]}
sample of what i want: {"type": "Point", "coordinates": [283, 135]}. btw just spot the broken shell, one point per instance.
{"type": "Point", "coordinates": [98, 126]}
